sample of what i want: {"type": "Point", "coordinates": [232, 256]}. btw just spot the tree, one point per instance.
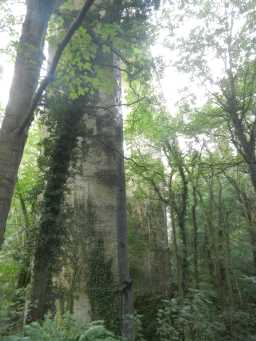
{"type": "Point", "coordinates": [162, 140]}
{"type": "Point", "coordinates": [223, 30]}
{"type": "Point", "coordinates": [20, 109]}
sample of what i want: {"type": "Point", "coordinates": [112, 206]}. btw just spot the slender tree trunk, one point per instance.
{"type": "Point", "coordinates": [184, 260]}
{"type": "Point", "coordinates": [26, 74]}
{"type": "Point", "coordinates": [252, 170]}
{"type": "Point", "coordinates": [251, 218]}
{"type": "Point", "coordinates": [23, 276]}
{"type": "Point", "coordinates": [182, 219]}
{"type": "Point", "coordinates": [252, 231]}
{"type": "Point", "coordinates": [247, 201]}
{"type": "Point", "coordinates": [209, 239]}
{"type": "Point", "coordinates": [209, 256]}
{"type": "Point", "coordinates": [228, 262]}
{"type": "Point", "coordinates": [122, 240]}
{"type": "Point", "coordinates": [176, 253]}
{"type": "Point", "coordinates": [195, 241]}
{"type": "Point", "coordinates": [22, 104]}
{"type": "Point", "coordinates": [215, 226]}
{"type": "Point", "coordinates": [220, 267]}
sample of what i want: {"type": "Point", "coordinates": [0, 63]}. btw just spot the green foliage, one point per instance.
{"type": "Point", "coordinates": [196, 318]}
{"type": "Point", "coordinates": [193, 318]}
{"type": "Point", "coordinates": [10, 19]}
{"type": "Point", "coordinates": [75, 76]}
{"type": "Point", "coordinates": [198, 142]}
{"type": "Point", "coordinates": [65, 330]}
{"type": "Point", "coordinates": [97, 333]}
{"type": "Point", "coordinates": [16, 254]}
{"type": "Point", "coordinates": [12, 299]}
{"type": "Point", "coordinates": [101, 287]}
{"type": "Point", "coordinates": [147, 307]}
{"type": "Point", "coordinates": [138, 328]}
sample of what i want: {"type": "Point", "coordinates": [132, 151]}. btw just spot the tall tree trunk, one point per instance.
{"type": "Point", "coordinates": [182, 221]}
{"type": "Point", "coordinates": [26, 74]}
{"type": "Point", "coordinates": [250, 214]}
{"type": "Point", "coordinates": [23, 275]}
{"type": "Point", "coordinates": [20, 109]}
{"type": "Point", "coordinates": [252, 171]}
{"type": "Point", "coordinates": [176, 253]}
{"type": "Point", "coordinates": [122, 242]}
{"type": "Point", "coordinates": [247, 200]}
{"type": "Point", "coordinates": [221, 269]}
{"type": "Point", "coordinates": [195, 237]}
{"type": "Point", "coordinates": [209, 255]}
{"type": "Point", "coordinates": [209, 239]}
{"type": "Point", "coordinates": [251, 219]}
{"type": "Point", "coordinates": [228, 261]}
{"type": "Point", "coordinates": [252, 231]}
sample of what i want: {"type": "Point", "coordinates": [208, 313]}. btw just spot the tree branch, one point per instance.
{"type": "Point", "coordinates": [51, 73]}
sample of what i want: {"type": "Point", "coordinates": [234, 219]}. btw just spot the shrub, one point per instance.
{"type": "Point", "coordinates": [65, 330]}
{"type": "Point", "coordinates": [189, 319]}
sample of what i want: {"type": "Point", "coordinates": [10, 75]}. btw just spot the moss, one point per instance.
{"type": "Point", "coordinates": [101, 288]}
{"type": "Point", "coordinates": [100, 284]}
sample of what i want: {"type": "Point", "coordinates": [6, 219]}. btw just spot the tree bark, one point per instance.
{"type": "Point", "coordinates": [26, 74]}
{"type": "Point", "coordinates": [122, 241]}
{"type": "Point", "coordinates": [247, 201]}
{"type": "Point", "coordinates": [20, 109]}
{"type": "Point", "coordinates": [182, 221]}
{"type": "Point", "coordinates": [195, 237]}
{"type": "Point", "coordinates": [176, 253]}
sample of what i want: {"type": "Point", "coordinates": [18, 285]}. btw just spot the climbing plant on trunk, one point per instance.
{"type": "Point", "coordinates": [20, 109]}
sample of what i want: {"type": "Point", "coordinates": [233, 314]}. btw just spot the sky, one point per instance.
{"type": "Point", "coordinates": [6, 62]}
{"type": "Point", "coordinates": [6, 74]}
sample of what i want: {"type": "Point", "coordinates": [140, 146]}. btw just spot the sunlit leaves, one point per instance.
{"type": "Point", "coordinates": [76, 64]}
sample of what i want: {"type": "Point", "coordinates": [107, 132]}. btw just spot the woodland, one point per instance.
{"type": "Point", "coordinates": [128, 170]}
